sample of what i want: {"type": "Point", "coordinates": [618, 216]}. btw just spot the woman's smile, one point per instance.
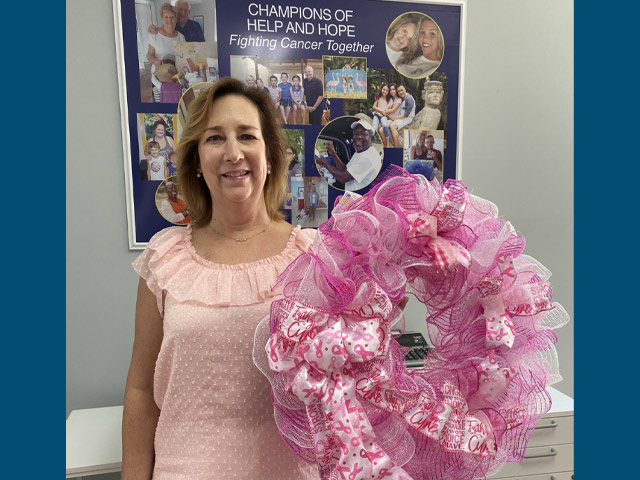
{"type": "Point", "coordinates": [232, 152]}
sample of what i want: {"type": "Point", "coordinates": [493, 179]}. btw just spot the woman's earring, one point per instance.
{"type": "Point", "coordinates": [199, 174]}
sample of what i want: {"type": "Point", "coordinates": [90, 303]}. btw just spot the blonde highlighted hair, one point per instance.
{"type": "Point", "coordinates": [194, 189]}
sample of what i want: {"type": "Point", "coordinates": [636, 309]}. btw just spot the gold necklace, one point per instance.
{"type": "Point", "coordinates": [244, 239]}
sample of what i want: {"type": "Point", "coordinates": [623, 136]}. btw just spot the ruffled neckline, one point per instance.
{"type": "Point", "coordinates": [171, 264]}
{"type": "Point", "coordinates": [291, 242]}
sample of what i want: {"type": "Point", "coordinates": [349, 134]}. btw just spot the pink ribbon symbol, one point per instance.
{"type": "Point", "coordinates": [355, 471]}
{"type": "Point", "coordinates": [342, 445]}
{"type": "Point", "coordinates": [360, 350]}
{"type": "Point", "coordinates": [310, 391]}
{"type": "Point", "coordinates": [343, 427]}
{"type": "Point", "coordinates": [501, 335]}
{"type": "Point", "coordinates": [384, 472]}
{"type": "Point", "coordinates": [342, 470]}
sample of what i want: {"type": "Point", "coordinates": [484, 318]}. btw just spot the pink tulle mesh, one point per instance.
{"type": "Point", "coordinates": [341, 392]}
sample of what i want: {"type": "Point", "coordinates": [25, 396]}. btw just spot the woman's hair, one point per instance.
{"type": "Point", "coordinates": [379, 92]}
{"type": "Point", "coordinates": [418, 142]}
{"type": "Point", "coordinates": [400, 22]}
{"type": "Point", "coordinates": [194, 188]}
{"type": "Point", "coordinates": [167, 7]}
{"type": "Point", "coordinates": [160, 122]}
{"type": "Point", "coordinates": [415, 50]}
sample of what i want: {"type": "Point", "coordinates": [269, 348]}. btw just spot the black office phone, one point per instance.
{"type": "Point", "coordinates": [419, 348]}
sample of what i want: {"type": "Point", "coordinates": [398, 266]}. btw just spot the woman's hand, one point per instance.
{"type": "Point", "coordinates": [403, 303]}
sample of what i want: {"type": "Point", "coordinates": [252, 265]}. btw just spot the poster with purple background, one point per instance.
{"type": "Point", "coordinates": [389, 67]}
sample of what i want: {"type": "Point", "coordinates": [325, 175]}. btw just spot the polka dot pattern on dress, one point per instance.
{"type": "Point", "coordinates": [216, 417]}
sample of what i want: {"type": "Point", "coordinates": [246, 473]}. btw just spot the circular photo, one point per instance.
{"type": "Point", "coordinates": [348, 153]}
{"type": "Point", "coordinates": [170, 204]}
{"type": "Point", "coordinates": [415, 45]}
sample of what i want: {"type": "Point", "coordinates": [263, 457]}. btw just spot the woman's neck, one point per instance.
{"type": "Point", "coordinates": [239, 220]}
{"type": "Point", "coordinates": [166, 33]}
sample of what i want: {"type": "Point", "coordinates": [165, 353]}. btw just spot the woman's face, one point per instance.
{"type": "Point", "coordinates": [233, 153]}
{"type": "Point", "coordinates": [428, 39]}
{"type": "Point", "coordinates": [385, 91]}
{"type": "Point", "coordinates": [259, 83]}
{"type": "Point", "coordinates": [291, 156]}
{"type": "Point", "coordinates": [159, 131]}
{"type": "Point", "coordinates": [393, 92]}
{"type": "Point", "coordinates": [169, 21]}
{"type": "Point", "coordinates": [402, 37]}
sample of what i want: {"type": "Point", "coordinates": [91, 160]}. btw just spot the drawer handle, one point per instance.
{"type": "Point", "coordinates": [552, 424]}
{"type": "Point", "coordinates": [552, 453]}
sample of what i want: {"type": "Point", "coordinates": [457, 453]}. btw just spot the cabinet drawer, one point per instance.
{"type": "Point", "coordinates": [552, 431]}
{"type": "Point", "coordinates": [540, 460]}
{"type": "Point", "coordinates": [545, 476]}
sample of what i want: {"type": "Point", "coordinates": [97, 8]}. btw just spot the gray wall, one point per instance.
{"type": "Point", "coordinates": [517, 152]}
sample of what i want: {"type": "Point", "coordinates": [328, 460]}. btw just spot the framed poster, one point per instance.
{"type": "Point", "coordinates": [381, 78]}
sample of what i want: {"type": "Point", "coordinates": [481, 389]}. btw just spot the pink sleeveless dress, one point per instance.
{"type": "Point", "coordinates": [216, 417]}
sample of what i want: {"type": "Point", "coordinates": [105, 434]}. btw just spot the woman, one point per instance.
{"type": "Point", "coordinates": [395, 102]}
{"type": "Point", "coordinates": [381, 105]}
{"type": "Point", "coordinates": [167, 145]}
{"type": "Point", "coordinates": [162, 45]}
{"type": "Point", "coordinates": [399, 37]}
{"type": "Point", "coordinates": [250, 81]}
{"type": "Point", "coordinates": [195, 406]}
{"type": "Point", "coordinates": [418, 150]}
{"type": "Point", "coordinates": [425, 52]}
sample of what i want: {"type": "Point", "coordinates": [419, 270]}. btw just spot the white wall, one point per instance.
{"type": "Point", "coordinates": [517, 152]}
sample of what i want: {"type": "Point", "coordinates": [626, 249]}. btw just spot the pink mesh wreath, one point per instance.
{"type": "Point", "coordinates": [341, 393]}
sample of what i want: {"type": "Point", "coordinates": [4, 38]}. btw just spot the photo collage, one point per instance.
{"type": "Point", "coordinates": [344, 118]}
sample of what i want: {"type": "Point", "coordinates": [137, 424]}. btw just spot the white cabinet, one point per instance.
{"type": "Point", "coordinates": [549, 454]}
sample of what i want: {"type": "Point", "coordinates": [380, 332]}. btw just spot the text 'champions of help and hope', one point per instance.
{"type": "Point", "coordinates": [296, 20]}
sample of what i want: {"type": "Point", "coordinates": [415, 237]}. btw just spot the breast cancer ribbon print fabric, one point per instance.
{"type": "Point", "coordinates": [342, 395]}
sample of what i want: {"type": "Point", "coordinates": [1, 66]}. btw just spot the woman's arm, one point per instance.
{"type": "Point", "coordinates": [412, 152]}
{"type": "Point", "coordinates": [393, 109]}
{"type": "Point", "coordinates": [140, 415]}
{"type": "Point", "coordinates": [376, 109]}
{"type": "Point", "coordinates": [151, 56]}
